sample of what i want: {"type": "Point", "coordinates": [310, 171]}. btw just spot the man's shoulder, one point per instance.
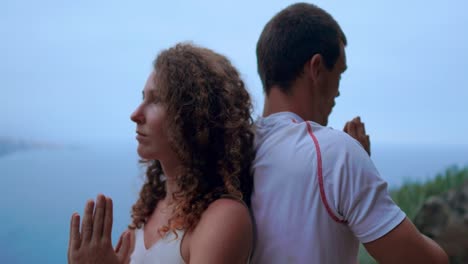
{"type": "Point", "coordinates": [340, 147]}
{"type": "Point", "coordinates": [293, 135]}
{"type": "Point", "coordinates": [328, 135]}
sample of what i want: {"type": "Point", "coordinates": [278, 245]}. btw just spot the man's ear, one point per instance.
{"type": "Point", "coordinates": [313, 67]}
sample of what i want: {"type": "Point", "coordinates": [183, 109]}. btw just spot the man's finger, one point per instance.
{"type": "Point", "coordinates": [87, 224]}
{"type": "Point", "coordinates": [352, 129]}
{"type": "Point", "coordinates": [75, 240]}
{"type": "Point", "coordinates": [99, 212]}
{"type": "Point", "coordinates": [368, 144]}
{"type": "Point", "coordinates": [360, 130]}
{"type": "Point", "coordinates": [345, 129]}
{"type": "Point", "coordinates": [107, 233]}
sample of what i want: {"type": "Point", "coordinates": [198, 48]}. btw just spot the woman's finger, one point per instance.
{"type": "Point", "coordinates": [127, 247]}
{"type": "Point", "coordinates": [87, 224]}
{"type": "Point", "coordinates": [98, 221]}
{"type": "Point", "coordinates": [75, 239]}
{"type": "Point", "coordinates": [119, 244]}
{"type": "Point", "coordinates": [108, 219]}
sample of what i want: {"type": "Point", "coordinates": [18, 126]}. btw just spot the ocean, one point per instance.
{"type": "Point", "coordinates": [41, 188]}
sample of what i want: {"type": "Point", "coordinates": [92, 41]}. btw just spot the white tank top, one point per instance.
{"type": "Point", "coordinates": [165, 251]}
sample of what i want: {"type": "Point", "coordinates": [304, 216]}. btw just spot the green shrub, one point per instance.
{"type": "Point", "coordinates": [411, 195]}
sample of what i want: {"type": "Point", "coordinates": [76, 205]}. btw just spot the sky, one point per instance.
{"type": "Point", "coordinates": [73, 71]}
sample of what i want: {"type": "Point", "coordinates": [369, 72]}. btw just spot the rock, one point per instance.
{"type": "Point", "coordinates": [444, 218]}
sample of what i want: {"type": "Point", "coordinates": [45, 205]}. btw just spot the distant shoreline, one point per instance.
{"type": "Point", "coordinates": [8, 146]}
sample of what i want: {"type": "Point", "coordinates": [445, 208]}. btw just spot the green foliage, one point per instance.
{"type": "Point", "coordinates": [411, 195]}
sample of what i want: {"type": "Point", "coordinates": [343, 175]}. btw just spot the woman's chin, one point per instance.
{"type": "Point", "coordinates": [145, 154]}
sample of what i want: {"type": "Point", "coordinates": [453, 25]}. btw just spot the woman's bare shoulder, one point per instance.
{"type": "Point", "coordinates": [225, 231]}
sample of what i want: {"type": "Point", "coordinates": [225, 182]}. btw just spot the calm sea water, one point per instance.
{"type": "Point", "coordinates": [40, 189]}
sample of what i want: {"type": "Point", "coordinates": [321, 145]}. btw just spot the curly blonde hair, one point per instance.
{"type": "Point", "coordinates": [210, 129]}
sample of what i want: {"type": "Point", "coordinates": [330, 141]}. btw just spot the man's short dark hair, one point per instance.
{"type": "Point", "coordinates": [291, 38]}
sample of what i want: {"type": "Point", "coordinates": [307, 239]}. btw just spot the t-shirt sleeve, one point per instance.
{"type": "Point", "coordinates": [358, 194]}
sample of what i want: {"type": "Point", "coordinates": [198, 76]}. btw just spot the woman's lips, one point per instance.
{"type": "Point", "coordinates": [140, 136]}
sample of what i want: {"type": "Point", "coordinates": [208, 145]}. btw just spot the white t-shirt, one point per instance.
{"type": "Point", "coordinates": [317, 194]}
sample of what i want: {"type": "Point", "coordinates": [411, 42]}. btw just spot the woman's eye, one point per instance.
{"type": "Point", "coordinates": [155, 100]}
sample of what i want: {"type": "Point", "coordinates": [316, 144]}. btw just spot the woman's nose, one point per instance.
{"type": "Point", "coordinates": [137, 116]}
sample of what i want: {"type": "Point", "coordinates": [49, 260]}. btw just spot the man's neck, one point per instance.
{"type": "Point", "coordinates": [299, 101]}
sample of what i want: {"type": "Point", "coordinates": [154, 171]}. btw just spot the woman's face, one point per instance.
{"type": "Point", "coordinates": [150, 118]}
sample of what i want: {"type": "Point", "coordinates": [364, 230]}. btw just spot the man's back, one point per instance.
{"type": "Point", "coordinates": [316, 194]}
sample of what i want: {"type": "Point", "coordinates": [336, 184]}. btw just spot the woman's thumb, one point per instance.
{"type": "Point", "coordinates": [126, 247]}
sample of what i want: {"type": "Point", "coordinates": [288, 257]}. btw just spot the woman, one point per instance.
{"type": "Point", "coordinates": [194, 132]}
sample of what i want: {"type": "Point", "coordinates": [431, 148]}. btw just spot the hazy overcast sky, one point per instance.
{"type": "Point", "coordinates": [73, 71]}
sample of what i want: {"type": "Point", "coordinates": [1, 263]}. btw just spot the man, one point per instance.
{"type": "Point", "coordinates": [317, 194]}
